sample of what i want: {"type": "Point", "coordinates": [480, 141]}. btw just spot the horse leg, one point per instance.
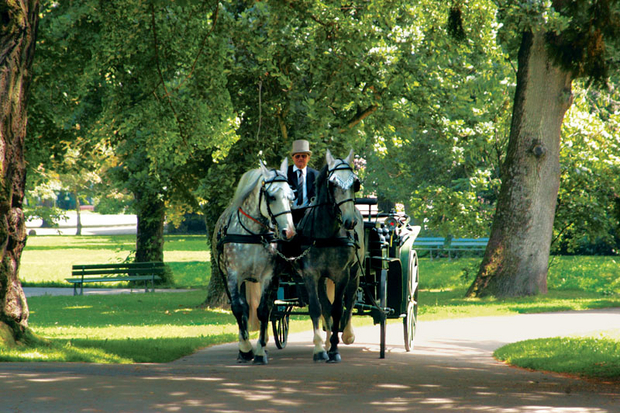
{"type": "Point", "coordinates": [240, 310]}
{"type": "Point", "coordinates": [263, 313]}
{"type": "Point", "coordinates": [337, 310]}
{"type": "Point", "coordinates": [350, 298]}
{"type": "Point", "coordinates": [314, 309]}
{"type": "Point", "coordinates": [327, 290]}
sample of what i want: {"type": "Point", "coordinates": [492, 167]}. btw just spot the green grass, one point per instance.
{"type": "Point", "coordinates": [591, 274]}
{"type": "Point", "coordinates": [166, 326]}
{"type": "Point", "coordinates": [123, 328]}
{"type": "Point", "coordinates": [47, 260]}
{"type": "Point", "coordinates": [594, 356]}
{"type": "Point", "coordinates": [437, 305]}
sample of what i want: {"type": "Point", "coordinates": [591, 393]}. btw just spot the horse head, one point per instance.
{"type": "Point", "coordinates": [278, 197]}
{"type": "Point", "coordinates": [343, 184]}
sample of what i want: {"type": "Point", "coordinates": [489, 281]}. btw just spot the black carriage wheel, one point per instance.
{"type": "Point", "coordinates": [411, 317]}
{"type": "Point", "coordinates": [280, 330]}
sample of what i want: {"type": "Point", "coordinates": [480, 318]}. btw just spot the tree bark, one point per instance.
{"type": "Point", "coordinates": [17, 44]}
{"type": "Point", "coordinates": [516, 259]}
{"type": "Point", "coordinates": [78, 230]}
{"type": "Point", "coordinates": [216, 290]}
{"type": "Point", "coordinates": [150, 237]}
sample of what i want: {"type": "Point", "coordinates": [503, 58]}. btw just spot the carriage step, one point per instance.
{"type": "Point", "coordinates": [291, 302]}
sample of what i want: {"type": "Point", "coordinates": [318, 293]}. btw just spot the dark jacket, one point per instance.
{"type": "Point", "coordinates": [311, 175]}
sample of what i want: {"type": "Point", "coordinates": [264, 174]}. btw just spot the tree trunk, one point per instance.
{"type": "Point", "coordinates": [150, 237]}
{"type": "Point", "coordinates": [78, 230]}
{"type": "Point", "coordinates": [17, 43]}
{"type": "Point", "coordinates": [516, 259]}
{"type": "Point", "coordinates": [216, 290]}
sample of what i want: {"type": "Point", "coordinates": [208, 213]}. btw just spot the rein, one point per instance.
{"type": "Point", "coordinates": [253, 219]}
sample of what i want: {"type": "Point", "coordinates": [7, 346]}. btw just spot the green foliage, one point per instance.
{"type": "Point", "coordinates": [441, 150]}
{"type": "Point", "coordinates": [191, 94]}
{"type": "Point", "coordinates": [144, 78]}
{"type": "Point", "coordinates": [588, 201]}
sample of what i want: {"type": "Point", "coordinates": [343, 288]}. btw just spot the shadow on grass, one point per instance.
{"type": "Point", "coordinates": [129, 350]}
{"type": "Point", "coordinates": [540, 309]}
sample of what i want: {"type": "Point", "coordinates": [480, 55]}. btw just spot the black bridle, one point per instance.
{"type": "Point", "coordinates": [343, 166]}
{"type": "Point", "coordinates": [264, 194]}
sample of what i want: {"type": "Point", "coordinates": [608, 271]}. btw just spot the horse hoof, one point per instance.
{"type": "Point", "coordinates": [348, 339]}
{"type": "Point", "coordinates": [262, 360]}
{"type": "Point", "coordinates": [322, 356]}
{"type": "Point", "coordinates": [243, 357]}
{"type": "Point", "coordinates": [334, 358]}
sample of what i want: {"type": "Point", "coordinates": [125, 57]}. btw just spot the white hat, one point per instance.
{"type": "Point", "coordinates": [301, 146]}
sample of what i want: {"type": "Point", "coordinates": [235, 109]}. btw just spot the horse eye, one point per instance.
{"type": "Point", "coordinates": [271, 198]}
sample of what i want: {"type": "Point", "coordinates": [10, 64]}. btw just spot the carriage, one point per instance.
{"type": "Point", "coordinates": [349, 262]}
{"type": "Point", "coordinates": [388, 287]}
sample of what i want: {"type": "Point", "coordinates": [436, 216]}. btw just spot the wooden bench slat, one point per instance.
{"type": "Point", "coordinates": [441, 244]}
{"type": "Point", "coordinates": [123, 271]}
{"type": "Point", "coordinates": [120, 266]}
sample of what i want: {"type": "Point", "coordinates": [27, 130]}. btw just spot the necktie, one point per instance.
{"type": "Point", "coordinates": [300, 187]}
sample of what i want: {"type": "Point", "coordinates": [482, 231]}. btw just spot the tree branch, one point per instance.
{"type": "Point", "coordinates": [202, 47]}
{"type": "Point", "coordinates": [161, 76]}
{"type": "Point", "coordinates": [360, 116]}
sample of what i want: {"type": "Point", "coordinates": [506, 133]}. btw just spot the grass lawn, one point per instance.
{"type": "Point", "coordinates": [47, 260]}
{"type": "Point", "coordinates": [595, 356]}
{"type": "Point", "coordinates": [166, 326]}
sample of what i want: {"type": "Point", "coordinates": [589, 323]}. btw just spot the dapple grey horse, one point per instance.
{"type": "Point", "coordinates": [245, 235]}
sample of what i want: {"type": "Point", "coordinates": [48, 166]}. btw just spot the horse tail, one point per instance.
{"type": "Point", "coordinates": [253, 295]}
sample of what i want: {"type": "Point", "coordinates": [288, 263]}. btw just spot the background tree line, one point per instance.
{"type": "Point", "coordinates": [172, 100]}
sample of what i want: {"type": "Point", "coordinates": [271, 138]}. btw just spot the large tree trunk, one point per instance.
{"type": "Point", "coordinates": [17, 44]}
{"type": "Point", "coordinates": [516, 259]}
{"type": "Point", "coordinates": [150, 238]}
{"type": "Point", "coordinates": [216, 290]}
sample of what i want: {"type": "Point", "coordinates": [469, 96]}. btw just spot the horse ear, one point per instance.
{"type": "Point", "coordinates": [263, 168]}
{"type": "Point", "coordinates": [349, 158]}
{"type": "Point", "coordinates": [330, 159]}
{"type": "Point", "coordinates": [284, 166]}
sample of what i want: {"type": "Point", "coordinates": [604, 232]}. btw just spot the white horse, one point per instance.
{"type": "Point", "coordinates": [245, 235]}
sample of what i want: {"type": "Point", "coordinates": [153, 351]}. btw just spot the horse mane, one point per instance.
{"type": "Point", "coordinates": [246, 185]}
{"type": "Point", "coordinates": [318, 221]}
{"type": "Point", "coordinates": [321, 186]}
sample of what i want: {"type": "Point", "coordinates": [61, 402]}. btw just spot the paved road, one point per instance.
{"type": "Point", "coordinates": [92, 224]}
{"type": "Point", "coordinates": [450, 370]}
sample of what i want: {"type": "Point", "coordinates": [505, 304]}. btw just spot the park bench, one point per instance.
{"type": "Point", "coordinates": [455, 245]}
{"type": "Point", "coordinates": [102, 273]}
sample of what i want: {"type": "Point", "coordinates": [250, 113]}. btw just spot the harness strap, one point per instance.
{"type": "Point", "coordinates": [246, 239]}
{"type": "Point", "coordinates": [252, 218]}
